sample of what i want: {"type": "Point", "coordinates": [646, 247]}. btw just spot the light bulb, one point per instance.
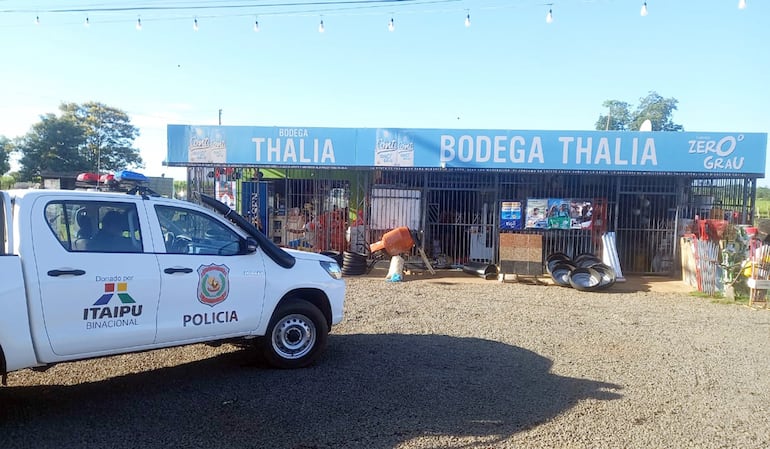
{"type": "Point", "coordinates": [741, 4]}
{"type": "Point", "coordinates": [256, 27]}
{"type": "Point", "coordinates": [467, 21]}
{"type": "Point", "coordinates": [549, 17]}
{"type": "Point", "coordinates": [643, 12]}
{"type": "Point", "coordinates": [321, 28]}
{"type": "Point", "coordinates": [139, 24]}
{"type": "Point", "coordinates": [391, 25]}
{"type": "Point", "coordinates": [195, 24]}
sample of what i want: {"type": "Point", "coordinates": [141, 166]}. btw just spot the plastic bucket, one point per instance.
{"type": "Point", "coordinates": [394, 242]}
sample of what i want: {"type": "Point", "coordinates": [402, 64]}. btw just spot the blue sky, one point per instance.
{"type": "Point", "coordinates": [508, 70]}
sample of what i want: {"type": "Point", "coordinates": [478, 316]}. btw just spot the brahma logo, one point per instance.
{"type": "Point", "coordinates": [213, 284]}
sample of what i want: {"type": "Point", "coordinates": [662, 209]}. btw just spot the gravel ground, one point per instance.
{"type": "Point", "coordinates": [435, 363]}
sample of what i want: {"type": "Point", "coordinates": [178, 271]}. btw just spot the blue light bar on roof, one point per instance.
{"type": "Point", "coordinates": [130, 176]}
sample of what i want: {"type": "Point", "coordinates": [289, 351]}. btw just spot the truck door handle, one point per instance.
{"type": "Point", "coordinates": [177, 270]}
{"type": "Point", "coordinates": [65, 272]}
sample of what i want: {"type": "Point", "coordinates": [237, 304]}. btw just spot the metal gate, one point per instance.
{"type": "Point", "coordinates": [647, 211]}
{"type": "Point", "coordinates": [595, 189]}
{"type": "Point", "coordinates": [460, 225]}
{"type": "Point", "coordinates": [456, 214]}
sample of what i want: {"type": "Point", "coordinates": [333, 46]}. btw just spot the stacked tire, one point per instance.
{"type": "Point", "coordinates": [354, 264]}
{"type": "Point", "coordinates": [586, 272]}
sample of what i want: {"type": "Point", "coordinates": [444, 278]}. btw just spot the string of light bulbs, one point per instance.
{"type": "Point", "coordinates": [643, 12]}
{"type": "Point", "coordinates": [326, 7]}
{"type": "Point", "coordinates": [231, 4]}
{"type": "Point", "coordinates": [338, 7]}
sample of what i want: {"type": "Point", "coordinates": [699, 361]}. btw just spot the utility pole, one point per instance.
{"type": "Point", "coordinates": [220, 117]}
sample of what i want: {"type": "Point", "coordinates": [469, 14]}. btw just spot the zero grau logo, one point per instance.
{"type": "Point", "coordinates": [213, 288]}
{"type": "Point", "coordinates": [104, 315]}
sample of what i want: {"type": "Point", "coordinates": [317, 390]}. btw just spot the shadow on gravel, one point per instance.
{"type": "Point", "coordinates": [367, 391]}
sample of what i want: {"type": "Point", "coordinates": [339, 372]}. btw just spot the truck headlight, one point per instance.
{"type": "Point", "coordinates": [332, 268]}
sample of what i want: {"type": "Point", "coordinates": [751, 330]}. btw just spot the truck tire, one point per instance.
{"type": "Point", "coordinates": [295, 337]}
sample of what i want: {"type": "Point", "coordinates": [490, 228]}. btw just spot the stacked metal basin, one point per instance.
{"type": "Point", "coordinates": [586, 272]}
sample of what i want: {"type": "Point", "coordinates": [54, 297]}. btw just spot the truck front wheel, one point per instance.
{"type": "Point", "coordinates": [296, 335]}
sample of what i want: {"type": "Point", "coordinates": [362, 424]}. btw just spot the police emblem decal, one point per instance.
{"type": "Point", "coordinates": [213, 284]}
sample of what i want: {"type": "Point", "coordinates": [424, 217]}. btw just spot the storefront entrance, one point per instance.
{"type": "Point", "coordinates": [460, 225]}
{"type": "Point", "coordinates": [646, 224]}
{"type": "Point", "coordinates": [455, 215]}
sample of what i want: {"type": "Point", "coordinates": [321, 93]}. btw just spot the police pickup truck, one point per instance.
{"type": "Point", "coordinates": [88, 274]}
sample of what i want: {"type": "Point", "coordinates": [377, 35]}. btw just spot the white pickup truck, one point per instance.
{"type": "Point", "coordinates": [90, 274]}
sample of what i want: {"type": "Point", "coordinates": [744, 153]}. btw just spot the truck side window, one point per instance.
{"type": "Point", "coordinates": [190, 232]}
{"type": "Point", "coordinates": [95, 226]}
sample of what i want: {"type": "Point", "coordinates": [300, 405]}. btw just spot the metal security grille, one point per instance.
{"type": "Point", "coordinates": [599, 190]}
{"type": "Point", "coordinates": [308, 209]}
{"type": "Point", "coordinates": [460, 217]}
{"type": "Point", "coordinates": [455, 215]}
{"type": "Point", "coordinates": [394, 199]}
{"type": "Point", "coordinates": [646, 211]}
{"type": "Point", "coordinates": [728, 199]}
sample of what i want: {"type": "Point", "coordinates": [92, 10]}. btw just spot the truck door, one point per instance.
{"type": "Point", "coordinates": [98, 287]}
{"type": "Point", "coordinates": [210, 287]}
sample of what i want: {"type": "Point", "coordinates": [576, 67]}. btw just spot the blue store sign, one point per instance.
{"type": "Point", "coordinates": [605, 151]}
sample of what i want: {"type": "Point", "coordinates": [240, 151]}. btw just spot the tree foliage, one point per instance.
{"type": "Point", "coordinates": [5, 154]}
{"type": "Point", "coordinates": [653, 107]}
{"type": "Point", "coordinates": [84, 137]}
{"type": "Point", "coordinates": [109, 135]}
{"type": "Point", "coordinates": [7, 182]}
{"type": "Point", "coordinates": [52, 145]}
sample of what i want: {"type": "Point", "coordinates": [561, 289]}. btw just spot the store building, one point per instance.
{"type": "Point", "coordinates": [491, 196]}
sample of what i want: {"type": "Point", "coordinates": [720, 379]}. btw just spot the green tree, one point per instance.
{"type": "Point", "coordinates": [618, 116]}
{"type": "Point", "coordinates": [5, 154]}
{"type": "Point", "coordinates": [88, 137]}
{"type": "Point", "coordinates": [8, 180]}
{"type": "Point", "coordinates": [109, 136]}
{"type": "Point", "coordinates": [53, 144]}
{"type": "Point", "coordinates": [653, 107]}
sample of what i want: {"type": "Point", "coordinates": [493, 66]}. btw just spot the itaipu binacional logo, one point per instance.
{"type": "Point", "coordinates": [213, 284]}
{"type": "Point", "coordinates": [104, 315]}
{"type": "Point", "coordinates": [110, 291]}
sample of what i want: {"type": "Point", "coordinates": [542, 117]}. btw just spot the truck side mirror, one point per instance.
{"type": "Point", "coordinates": [249, 245]}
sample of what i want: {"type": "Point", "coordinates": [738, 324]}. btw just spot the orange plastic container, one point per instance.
{"type": "Point", "coordinates": [394, 242]}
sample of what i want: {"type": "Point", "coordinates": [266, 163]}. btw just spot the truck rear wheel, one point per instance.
{"type": "Point", "coordinates": [296, 335]}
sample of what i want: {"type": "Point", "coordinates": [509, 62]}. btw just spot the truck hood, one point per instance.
{"type": "Point", "coordinates": [307, 255]}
